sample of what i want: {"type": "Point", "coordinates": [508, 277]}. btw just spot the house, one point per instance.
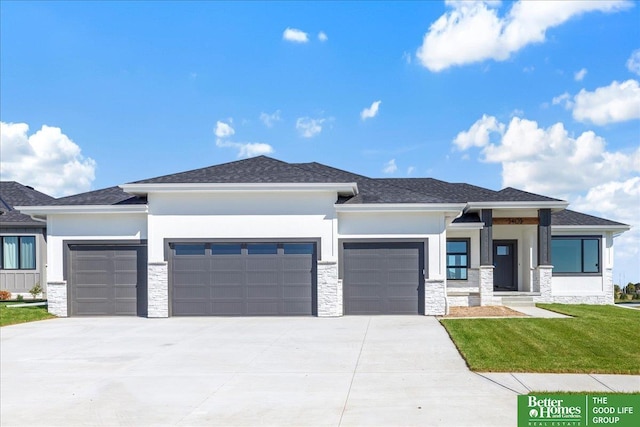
{"type": "Point", "coordinates": [23, 248]}
{"type": "Point", "coordinates": [265, 237]}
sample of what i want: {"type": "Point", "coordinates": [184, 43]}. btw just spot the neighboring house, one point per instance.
{"type": "Point", "coordinates": [265, 237]}
{"type": "Point", "coordinates": [23, 240]}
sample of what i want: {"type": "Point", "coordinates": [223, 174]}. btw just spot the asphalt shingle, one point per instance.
{"type": "Point", "coordinates": [15, 194]}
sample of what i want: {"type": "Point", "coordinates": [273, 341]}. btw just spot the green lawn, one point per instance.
{"type": "Point", "coordinates": [598, 339]}
{"type": "Point", "coordinates": [12, 316]}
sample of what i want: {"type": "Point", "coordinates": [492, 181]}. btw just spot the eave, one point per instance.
{"type": "Point", "coordinates": [401, 207]}
{"type": "Point", "coordinates": [345, 188]}
{"type": "Point", "coordinates": [555, 205]}
{"type": "Point", "coordinates": [37, 212]}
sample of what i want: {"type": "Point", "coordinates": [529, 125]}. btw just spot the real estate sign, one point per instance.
{"type": "Point", "coordinates": [579, 410]}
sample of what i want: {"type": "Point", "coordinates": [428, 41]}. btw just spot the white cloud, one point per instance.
{"type": "Point", "coordinates": [245, 149]}
{"type": "Point", "coordinates": [479, 133]}
{"type": "Point", "coordinates": [270, 119]}
{"type": "Point", "coordinates": [580, 169]}
{"type": "Point", "coordinates": [308, 127]}
{"type": "Point", "coordinates": [565, 99]}
{"type": "Point", "coordinates": [633, 63]}
{"type": "Point", "coordinates": [579, 75]}
{"type": "Point", "coordinates": [390, 167]}
{"type": "Point", "coordinates": [617, 102]}
{"type": "Point", "coordinates": [223, 130]}
{"type": "Point", "coordinates": [473, 32]}
{"type": "Point", "coordinates": [410, 170]}
{"type": "Point", "coordinates": [294, 35]}
{"type": "Point", "coordinates": [322, 36]}
{"type": "Point", "coordinates": [550, 161]}
{"type": "Point", "coordinates": [47, 160]}
{"type": "Point", "coordinates": [407, 57]}
{"type": "Point", "coordinates": [370, 112]}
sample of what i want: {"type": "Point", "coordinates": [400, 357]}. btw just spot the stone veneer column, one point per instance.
{"type": "Point", "coordinates": [608, 286]}
{"type": "Point", "coordinates": [435, 297]}
{"type": "Point", "coordinates": [486, 285]}
{"type": "Point", "coordinates": [543, 278]}
{"type": "Point", "coordinates": [158, 289]}
{"type": "Point", "coordinates": [329, 290]}
{"type": "Point", "coordinates": [57, 300]}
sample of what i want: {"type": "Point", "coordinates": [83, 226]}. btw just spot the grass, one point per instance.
{"type": "Point", "coordinates": [598, 339]}
{"type": "Point", "coordinates": [13, 316]}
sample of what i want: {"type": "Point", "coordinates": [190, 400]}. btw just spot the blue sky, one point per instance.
{"type": "Point", "coordinates": [542, 96]}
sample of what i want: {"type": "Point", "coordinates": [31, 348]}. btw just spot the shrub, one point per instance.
{"type": "Point", "coordinates": [631, 289]}
{"type": "Point", "coordinates": [616, 289]}
{"type": "Point", "coordinates": [19, 297]}
{"type": "Point", "coordinates": [5, 295]}
{"type": "Point", "coordinates": [37, 289]}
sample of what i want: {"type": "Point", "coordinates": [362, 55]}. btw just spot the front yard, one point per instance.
{"type": "Point", "coordinates": [598, 339]}
{"type": "Point", "coordinates": [12, 316]}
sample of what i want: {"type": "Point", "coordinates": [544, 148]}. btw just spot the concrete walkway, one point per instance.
{"type": "Point", "coordinates": [348, 371]}
{"type": "Point", "coordinates": [538, 312]}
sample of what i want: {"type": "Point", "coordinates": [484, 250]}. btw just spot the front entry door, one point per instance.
{"type": "Point", "coordinates": [505, 272]}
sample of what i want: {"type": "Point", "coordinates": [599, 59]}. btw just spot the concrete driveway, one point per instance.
{"type": "Point", "coordinates": [385, 370]}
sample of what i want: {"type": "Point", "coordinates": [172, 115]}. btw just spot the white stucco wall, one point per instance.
{"type": "Point", "coordinates": [76, 227]}
{"type": "Point", "coordinates": [243, 215]}
{"type": "Point", "coordinates": [389, 226]}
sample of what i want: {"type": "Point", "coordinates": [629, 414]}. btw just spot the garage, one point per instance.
{"type": "Point", "coordinates": [107, 280]}
{"type": "Point", "coordinates": [383, 278]}
{"type": "Point", "coordinates": [243, 279]}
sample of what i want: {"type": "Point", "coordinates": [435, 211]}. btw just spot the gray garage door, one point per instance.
{"type": "Point", "coordinates": [383, 278]}
{"type": "Point", "coordinates": [243, 279]}
{"type": "Point", "coordinates": [108, 280]}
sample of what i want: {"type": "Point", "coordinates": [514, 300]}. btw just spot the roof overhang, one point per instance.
{"type": "Point", "coordinates": [401, 207]}
{"type": "Point", "coordinates": [345, 188]}
{"type": "Point", "coordinates": [465, 226]}
{"type": "Point", "coordinates": [616, 229]}
{"type": "Point", "coordinates": [555, 206]}
{"type": "Point", "coordinates": [40, 212]}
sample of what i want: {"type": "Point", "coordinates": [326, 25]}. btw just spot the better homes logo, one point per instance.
{"type": "Point", "coordinates": [551, 411]}
{"type": "Point", "coordinates": [579, 410]}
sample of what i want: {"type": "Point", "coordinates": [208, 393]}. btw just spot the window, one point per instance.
{"type": "Point", "coordinates": [575, 255]}
{"type": "Point", "coordinates": [189, 249]}
{"type": "Point", "coordinates": [262, 249]}
{"type": "Point", "coordinates": [226, 249]}
{"type": "Point", "coordinates": [457, 259]}
{"type": "Point", "coordinates": [18, 253]}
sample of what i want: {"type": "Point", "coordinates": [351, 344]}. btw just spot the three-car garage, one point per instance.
{"type": "Point", "coordinates": [246, 278]}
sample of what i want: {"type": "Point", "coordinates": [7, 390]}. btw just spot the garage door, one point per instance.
{"type": "Point", "coordinates": [108, 280]}
{"type": "Point", "coordinates": [383, 278]}
{"type": "Point", "coordinates": [243, 279]}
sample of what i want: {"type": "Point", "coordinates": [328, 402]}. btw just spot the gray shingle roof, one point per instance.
{"type": "Point", "coordinates": [15, 194]}
{"type": "Point", "coordinates": [371, 190]}
{"type": "Point", "coordinates": [569, 217]}
{"type": "Point", "coordinates": [106, 196]}
{"type": "Point", "coordinates": [264, 169]}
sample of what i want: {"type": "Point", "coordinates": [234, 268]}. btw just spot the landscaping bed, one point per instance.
{"type": "Point", "coordinates": [598, 339]}
{"type": "Point", "coordinates": [483, 311]}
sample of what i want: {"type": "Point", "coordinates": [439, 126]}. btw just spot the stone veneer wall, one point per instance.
{"type": "Point", "coordinates": [435, 298]}
{"type": "Point", "coordinates": [158, 289]}
{"type": "Point", "coordinates": [471, 300]}
{"type": "Point", "coordinates": [57, 300]}
{"type": "Point", "coordinates": [486, 286]}
{"type": "Point", "coordinates": [329, 290]}
{"type": "Point", "coordinates": [605, 298]}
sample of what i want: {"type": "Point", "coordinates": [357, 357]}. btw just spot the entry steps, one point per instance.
{"type": "Point", "coordinates": [518, 300]}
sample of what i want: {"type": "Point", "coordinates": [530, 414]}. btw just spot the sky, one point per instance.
{"type": "Point", "coordinates": [541, 96]}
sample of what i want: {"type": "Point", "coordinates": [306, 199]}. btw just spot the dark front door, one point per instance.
{"type": "Point", "coordinates": [505, 255]}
